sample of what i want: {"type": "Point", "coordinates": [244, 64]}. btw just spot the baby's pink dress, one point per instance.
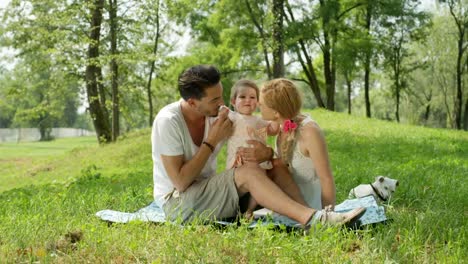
{"type": "Point", "coordinates": [245, 127]}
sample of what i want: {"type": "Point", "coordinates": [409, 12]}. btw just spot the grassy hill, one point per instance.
{"type": "Point", "coordinates": [46, 201]}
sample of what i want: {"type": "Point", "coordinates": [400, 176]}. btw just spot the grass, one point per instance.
{"type": "Point", "coordinates": [40, 162]}
{"type": "Point", "coordinates": [40, 215]}
{"type": "Point", "coordinates": [9, 150]}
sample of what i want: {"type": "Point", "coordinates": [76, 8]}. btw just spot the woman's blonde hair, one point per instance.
{"type": "Point", "coordinates": [283, 96]}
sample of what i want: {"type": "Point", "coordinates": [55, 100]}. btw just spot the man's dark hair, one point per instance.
{"type": "Point", "coordinates": [194, 80]}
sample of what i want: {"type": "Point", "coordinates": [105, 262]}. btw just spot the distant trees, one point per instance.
{"type": "Point", "coordinates": [102, 46]}
{"type": "Point", "coordinates": [125, 56]}
{"type": "Point", "coordinates": [459, 12]}
{"type": "Point", "coordinates": [401, 27]}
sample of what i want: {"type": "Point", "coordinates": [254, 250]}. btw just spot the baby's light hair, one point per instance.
{"type": "Point", "coordinates": [242, 84]}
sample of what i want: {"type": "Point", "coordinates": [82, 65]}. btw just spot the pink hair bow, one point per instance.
{"type": "Point", "coordinates": [289, 125]}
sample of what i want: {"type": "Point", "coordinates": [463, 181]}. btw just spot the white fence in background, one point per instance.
{"type": "Point", "coordinates": [32, 134]}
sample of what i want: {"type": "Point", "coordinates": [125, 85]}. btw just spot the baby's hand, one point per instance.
{"type": "Point", "coordinates": [221, 128]}
{"type": "Point", "coordinates": [230, 113]}
{"type": "Point", "coordinates": [223, 108]}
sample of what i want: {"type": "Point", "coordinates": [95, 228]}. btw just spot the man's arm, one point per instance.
{"type": "Point", "coordinates": [183, 173]}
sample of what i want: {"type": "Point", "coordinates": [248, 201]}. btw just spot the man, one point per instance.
{"type": "Point", "coordinates": [186, 139]}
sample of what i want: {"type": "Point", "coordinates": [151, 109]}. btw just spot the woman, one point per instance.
{"type": "Point", "coordinates": [300, 145]}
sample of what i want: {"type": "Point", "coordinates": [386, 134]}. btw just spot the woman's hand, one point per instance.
{"type": "Point", "coordinates": [258, 152]}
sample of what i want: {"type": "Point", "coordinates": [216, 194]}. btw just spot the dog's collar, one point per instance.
{"type": "Point", "coordinates": [378, 193]}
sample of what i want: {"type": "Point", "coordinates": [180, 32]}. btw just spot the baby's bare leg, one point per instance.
{"type": "Point", "coordinates": [252, 204]}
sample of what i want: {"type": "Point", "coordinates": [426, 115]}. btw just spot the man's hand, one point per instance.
{"type": "Point", "coordinates": [221, 128]}
{"type": "Point", "coordinates": [258, 152]}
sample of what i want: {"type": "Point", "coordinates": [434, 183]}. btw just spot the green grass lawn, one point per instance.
{"type": "Point", "coordinates": [26, 163]}
{"type": "Point", "coordinates": [10, 150]}
{"type": "Point", "coordinates": [54, 197]}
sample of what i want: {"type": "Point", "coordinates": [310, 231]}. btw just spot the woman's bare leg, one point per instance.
{"type": "Point", "coordinates": [250, 178]}
{"type": "Point", "coordinates": [282, 177]}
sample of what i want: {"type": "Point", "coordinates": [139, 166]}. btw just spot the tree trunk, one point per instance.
{"type": "Point", "coordinates": [349, 86]}
{"type": "Point", "coordinates": [428, 108]}
{"type": "Point", "coordinates": [278, 45]}
{"type": "Point", "coordinates": [309, 71]}
{"type": "Point", "coordinates": [150, 78]}
{"type": "Point", "coordinates": [465, 116]}
{"type": "Point", "coordinates": [457, 109]}
{"type": "Point", "coordinates": [367, 62]}
{"type": "Point", "coordinates": [100, 120]}
{"type": "Point", "coordinates": [45, 127]}
{"type": "Point", "coordinates": [327, 60]}
{"type": "Point", "coordinates": [427, 113]}
{"type": "Point", "coordinates": [397, 112]}
{"type": "Point", "coordinates": [465, 123]}
{"type": "Point", "coordinates": [461, 22]}
{"type": "Point", "coordinates": [397, 77]}
{"type": "Point", "coordinates": [307, 65]}
{"type": "Point", "coordinates": [114, 69]}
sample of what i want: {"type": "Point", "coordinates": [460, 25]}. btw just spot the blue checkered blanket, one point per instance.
{"type": "Point", "coordinates": [153, 213]}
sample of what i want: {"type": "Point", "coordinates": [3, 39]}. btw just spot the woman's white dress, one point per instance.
{"type": "Point", "coordinates": [304, 174]}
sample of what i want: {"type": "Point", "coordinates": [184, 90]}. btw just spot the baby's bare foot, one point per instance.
{"type": "Point", "coordinates": [249, 215]}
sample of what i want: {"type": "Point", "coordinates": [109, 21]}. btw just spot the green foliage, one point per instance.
{"type": "Point", "coordinates": [49, 40]}
{"type": "Point", "coordinates": [43, 95]}
{"type": "Point", "coordinates": [428, 222]}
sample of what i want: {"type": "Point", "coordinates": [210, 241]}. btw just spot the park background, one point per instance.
{"type": "Point", "coordinates": [387, 80]}
{"type": "Point", "coordinates": [109, 66]}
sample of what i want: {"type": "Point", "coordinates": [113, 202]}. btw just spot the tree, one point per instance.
{"type": "Point", "coordinates": [153, 63]}
{"type": "Point", "coordinates": [258, 19]}
{"type": "Point", "coordinates": [459, 12]}
{"type": "Point", "coordinates": [94, 76]}
{"type": "Point", "coordinates": [347, 54]}
{"type": "Point", "coordinates": [278, 42]}
{"type": "Point", "coordinates": [299, 41]}
{"type": "Point", "coordinates": [401, 26]}
{"type": "Point", "coordinates": [41, 93]}
{"type": "Point", "coordinates": [224, 34]}
{"type": "Point", "coordinates": [113, 24]}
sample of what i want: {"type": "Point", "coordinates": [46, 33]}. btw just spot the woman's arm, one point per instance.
{"type": "Point", "coordinates": [273, 129]}
{"type": "Point", "coordinates": [313, 145]}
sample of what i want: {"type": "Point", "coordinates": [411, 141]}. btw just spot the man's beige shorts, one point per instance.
{"type": "Point", "coordinates": [214, 198]}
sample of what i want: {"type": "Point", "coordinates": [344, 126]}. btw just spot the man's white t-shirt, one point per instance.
{"type": "Point", "coordinates": [170, 137]}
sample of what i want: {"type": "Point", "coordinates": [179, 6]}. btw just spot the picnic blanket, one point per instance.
{"type": "Point", "coordinates": [153, 213]}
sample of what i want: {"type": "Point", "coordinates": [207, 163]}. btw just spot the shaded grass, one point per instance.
{"type": "Point", "coordinates": [428, 210]}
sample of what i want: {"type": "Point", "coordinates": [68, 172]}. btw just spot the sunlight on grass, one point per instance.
{"type": "Point", "coordinates": [10, 150]}
{"type": "Point", "coordinates": [48, 198]}
{"type": "Point", "coordinates": [39, 162]}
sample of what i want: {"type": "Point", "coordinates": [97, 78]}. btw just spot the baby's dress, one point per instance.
{"type": "Point", "coordinates": [246, 127]}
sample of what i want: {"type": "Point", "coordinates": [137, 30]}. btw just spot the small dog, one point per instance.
{"type": "Point", "coordinates": [382, 189]}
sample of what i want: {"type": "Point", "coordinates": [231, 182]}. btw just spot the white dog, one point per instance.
{"type": "Point", "coordinates": [382, 189]}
